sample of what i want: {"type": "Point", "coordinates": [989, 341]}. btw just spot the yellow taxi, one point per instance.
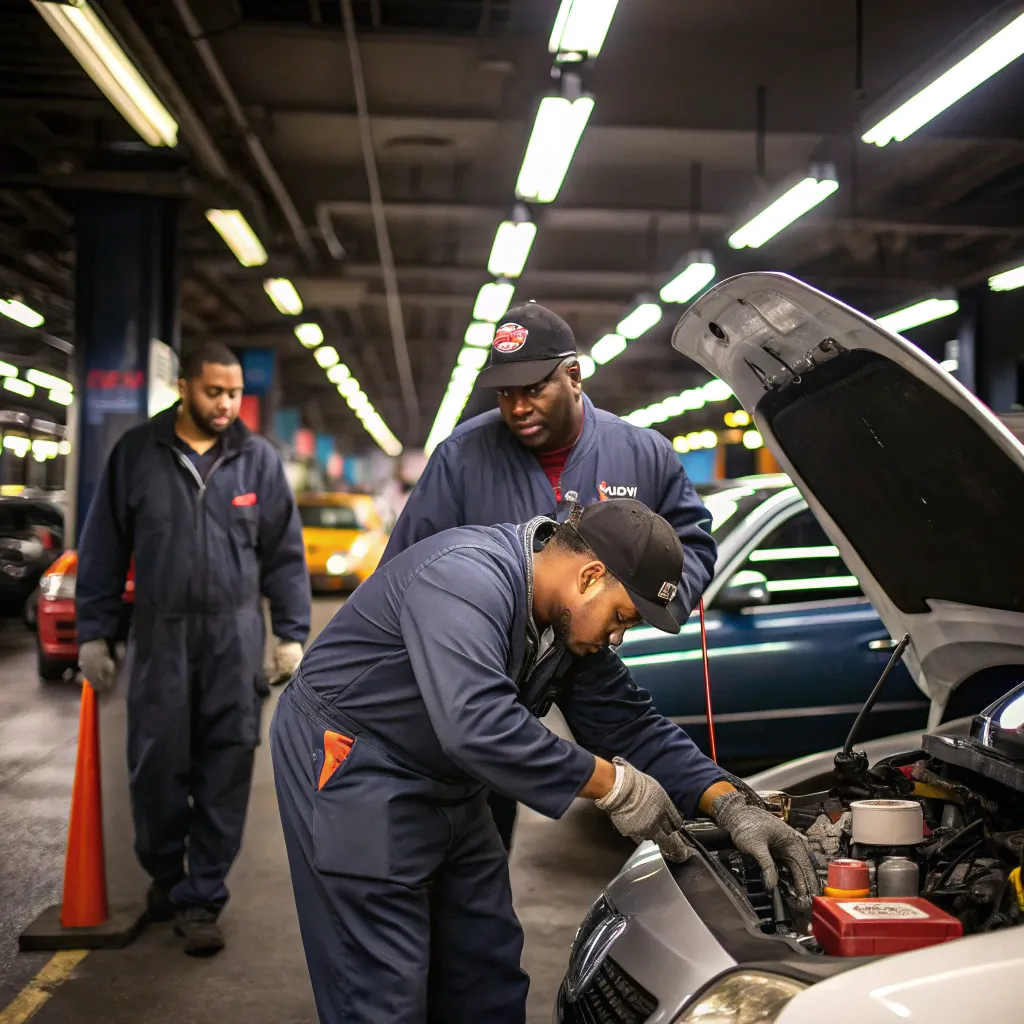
{"type": "Point", "coordinates": [344, 537]}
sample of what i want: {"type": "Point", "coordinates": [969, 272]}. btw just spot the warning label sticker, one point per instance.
{"type": "Point", "coordinates": [883, 911]}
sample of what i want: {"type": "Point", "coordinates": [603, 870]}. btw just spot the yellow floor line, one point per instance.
{"type": "Point", "coordinates": [34, 995]}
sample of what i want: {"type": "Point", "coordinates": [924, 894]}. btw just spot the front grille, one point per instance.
{"type": "Point", "coordinates": [747, 872]}
{"type": "Point", "coordinates": [612, 997]}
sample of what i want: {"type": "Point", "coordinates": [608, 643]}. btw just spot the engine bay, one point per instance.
{"type": "Point", "coordinates": [930, 848]}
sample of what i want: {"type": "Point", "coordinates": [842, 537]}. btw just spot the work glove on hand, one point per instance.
{"type": "Point", "coordinates": [287, 656]}
{"type": "Point", "coordinates": [766, 838]}
{"type": "Point", "coordinates": [641, 809]}
{"type": "Point", "coordinates": [97, 665]}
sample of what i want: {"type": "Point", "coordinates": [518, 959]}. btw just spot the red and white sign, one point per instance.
{"type": "Point", "coordinates": [510, 338]}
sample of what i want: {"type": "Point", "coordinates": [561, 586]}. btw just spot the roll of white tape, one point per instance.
{"type": "Point", "coordinates": [887, 822]}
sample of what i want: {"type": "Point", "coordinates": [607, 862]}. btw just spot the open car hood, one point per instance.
{"type": "Point", "coordinates": [917, 483]}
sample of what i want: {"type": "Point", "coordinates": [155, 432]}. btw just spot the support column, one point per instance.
{"type": "Point", "coordinates": [126, 295]}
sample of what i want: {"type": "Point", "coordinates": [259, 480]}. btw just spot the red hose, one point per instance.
{"type": "Point", "coordinates": [707, 683]}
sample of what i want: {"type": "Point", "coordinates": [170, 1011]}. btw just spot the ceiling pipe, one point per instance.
{"type": "Point", "coordinates": [380, 224]}
{"type": "Point", "coordinates": [256, 150]}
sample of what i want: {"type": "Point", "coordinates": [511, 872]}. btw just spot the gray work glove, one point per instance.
{"type": "Point", "coordinates": [641, 809]}
{"type": "Point", "coordinates": [285, 661]}
{"type": "Point", "coordinates": [97, 665]}
{"type": "Point", "coordinates": [766, 838]}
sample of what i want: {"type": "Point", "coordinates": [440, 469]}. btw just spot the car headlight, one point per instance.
{"type": "Point", "coordinates": [57, 586]}
{"type": "Point", "coordinates": [337, 565]}
{"type": "Point", "coordinates": [743, 997]}
{"type": "Point", "coordinates": [600, 928]}
{"type": "Point", "coordinates": [360, 547]}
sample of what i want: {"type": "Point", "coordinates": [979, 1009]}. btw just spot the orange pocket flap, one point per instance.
{"type": "Point", "coordinates": [336, 749]}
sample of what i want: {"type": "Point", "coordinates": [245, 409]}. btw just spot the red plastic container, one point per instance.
{"type": "Point", "coordinates": [880, 925]}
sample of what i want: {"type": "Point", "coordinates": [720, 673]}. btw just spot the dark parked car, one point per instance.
{"type": "Point", "coordinates": [31, 537]}
{"type": "Point", "coordinates": [792, 640]}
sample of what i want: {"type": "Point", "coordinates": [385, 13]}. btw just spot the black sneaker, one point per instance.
{"type": "Point", "coordinates": [158, 904]}
{"type": "Point", "coordinates": [198, 927]}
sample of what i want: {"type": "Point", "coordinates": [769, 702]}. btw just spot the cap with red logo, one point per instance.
{"type": "Point", "coordinates": [529, 343]}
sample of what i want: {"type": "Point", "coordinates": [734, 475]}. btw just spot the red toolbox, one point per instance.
{"type": "Point", "coordinates": [879, 925]}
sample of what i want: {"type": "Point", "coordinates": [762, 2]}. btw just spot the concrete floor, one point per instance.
{"type": "Point", "coordinates": [558, 868]}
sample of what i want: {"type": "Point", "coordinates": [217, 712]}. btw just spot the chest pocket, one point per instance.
{"type": "Point", "coordinates": [245, 524]}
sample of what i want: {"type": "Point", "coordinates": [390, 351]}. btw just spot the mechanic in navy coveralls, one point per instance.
{"type": "Point", "coordinates": [421, 695]}
{"type": "Point", "coordinates": [204, 506]}
{"type": "Point", "coordinates": [545, 447]}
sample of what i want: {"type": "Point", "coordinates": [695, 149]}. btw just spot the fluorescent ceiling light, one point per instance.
{"type": "Point", "coordinates": [480, 335]}
{"type": "Point", "coordinates": [716, 390]}
{"type": "Point", "coordinates": [640, 321]}
{"type": "Point", "coordinates": [1007, 280]}
{"type": "Point", "coordinates": [919, 313]}
{"type": "Point", "coordinates": [752, 439]}
{"type": "Point", "coordinates": [283, 295]}
{"type": "Point", "coordinates": [607, 348]}
{"type": "Point", "coordinates": [553, 141]}
{"type": "Point", "coordinates": [512, 242]}
{"type": "Point", "coordinates": [8, 369]}
{"type": "Point", "coordinates": [62, 397]}
{"type": "Point", "coordinates": [309, 335]}
{"type": "Point", "coordinates": [357, 401]}
{"type": "Point", "coordinates": [17, 444]}
{"type": "Point", "coordinates": [338, 372]}
{"type": "Point", "coordinates": [80, 29]}
{"type": "Point", "coordinates": [348, 387]}
{"type": "Point", "coordinates": [46, 380]}
{"type": "Point", "coordinates": [19, 387]}
{"type": "Point", "coordinates": [989, 58]}
{"type": "Point", "coordinates": [685, 285]}
{"type": "Point", "coordinates": [25, 315]}
{"type": "Point", "coordinates": [587, 365]}
{"type": "Point", "coordinates": [492, 300]}
{"type": "Point", "coordinates": [787, 208]}
{"type": "Point", "coordinates": [581, 26]}
{"type": "Point", "coordinates": [232, 226]}
{"type": "Point", "coordinates": [475, 358]}
{"type": "Point", "coordinates": [326, 356]}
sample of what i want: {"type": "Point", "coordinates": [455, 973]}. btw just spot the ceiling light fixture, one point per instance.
{"type": "Point", "coordinates": [80, 29]}
{"type": "Point", "coordinates": [492, 300]}
{"type": "Point", "coordinates": [310, 335]}
{"type": "Point", "coordinates": [553, 141]}
{"type": "Point", "coordinates": [639, 321]}
{"type": "Point", "coordinates": [716, 390]}
{"type": "Point", "coordinates": [917, 314]}
{"type": "Point", "coordinates": [338, 372]}
{"type": "Point", "coordinates": [19, 387]}
{"type": "Point", "coordinates": [699, 271]}
{"type": "Point", "coordinates": [978, 66]}
{"type": "Point", "coordinates": [511, 248]}
{"type": "Point", "coordinates": [607, 348]}
{"type": "Point", "coordinates": [792, 205]}
{"type": "Point", "coordinates": [8, 370]}
{"type": "Point", "coordinates": [1008, 280]}
{"type": "Point", "coordinates": [326, 356]}
{"type": "Point", "coordinates": [587, 365]}
{"type": "Point", "coordinates": [348, 387]}
{"type": "Point", "coordinates": [46, 380]}
{"type": "Point", "coordinates": [479, 335]}
{"type": "Point", "coordinates": [752, 439]}
{"type": "Point", "coordinates": [232, 226]}
{"type": "Point", "coordinates": [475, 358]}
{"type": "Point", "coordinates": [62, 397]}
{"type": "Point", "coordinates": [581, 26]}
{"type": "Point", "coordinates": [25, 315]}
{"type": "Point", "coordinates": [283, 295]}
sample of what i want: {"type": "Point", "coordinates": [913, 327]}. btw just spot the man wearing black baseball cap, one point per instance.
{"type": "Point", "coordinates": [545, 448]}
{"type": "Point", "coordinates": [424, 693]}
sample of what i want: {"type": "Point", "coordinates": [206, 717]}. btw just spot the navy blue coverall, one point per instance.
{"type": "Point", "coordinates": [422, 694]}
{"type": "Point", "coordinates": [205, 552]}
{"type": "Point", "coordinates": [482, 475]}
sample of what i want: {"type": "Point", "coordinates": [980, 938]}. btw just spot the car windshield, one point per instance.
{"type": "Point", "coordinates": [729, 506]}
{"type": "Point", "coordinates": [330, 517]}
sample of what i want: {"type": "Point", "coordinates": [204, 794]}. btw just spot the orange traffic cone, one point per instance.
{"type": "Point", "coordinates": [85, 871]}
{"type": "Point", "coordinates": [84, 919]}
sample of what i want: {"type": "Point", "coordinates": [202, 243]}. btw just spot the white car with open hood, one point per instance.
{"type": "Point", "coordinates": [920, 839]}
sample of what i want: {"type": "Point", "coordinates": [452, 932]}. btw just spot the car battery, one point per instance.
{"type": "Point", "coordinates": [880, 925]}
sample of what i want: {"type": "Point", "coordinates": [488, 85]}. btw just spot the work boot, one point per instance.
{"type": "Point", "coordinates": [198, 927]}
{"type": "Point", "coordinates": [158, 904]}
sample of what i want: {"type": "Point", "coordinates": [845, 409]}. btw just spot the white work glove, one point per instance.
{"type": "Point", "coordinates": [97, 665]}
{"type": "Point", "coordinates": [761, 835]}
{"type": "Point", "coordinates": [641, 809]}
{"type": "Point", "coordinates": [285, 661]}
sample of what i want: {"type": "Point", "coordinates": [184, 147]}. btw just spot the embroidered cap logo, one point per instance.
{"type": "Point", "coordinates": [509, 338]}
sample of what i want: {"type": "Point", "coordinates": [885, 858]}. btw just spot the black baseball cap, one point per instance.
{"type": "Point", "coordinates": [641, 549]}
{"type": "Point", "coordinates": [529, 343]}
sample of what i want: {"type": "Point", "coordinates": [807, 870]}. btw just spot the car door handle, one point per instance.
{"type": "Point", "coordinates": [883, 645]}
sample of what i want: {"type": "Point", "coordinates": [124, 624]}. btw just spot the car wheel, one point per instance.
{"type": "Point", "coordinates": [52, 670]}
{"type": "Point", "coordinates": [29, 613]}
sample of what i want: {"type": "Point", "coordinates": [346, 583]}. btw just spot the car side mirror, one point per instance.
{"type": "Point", "coordinates": [739, 593]}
